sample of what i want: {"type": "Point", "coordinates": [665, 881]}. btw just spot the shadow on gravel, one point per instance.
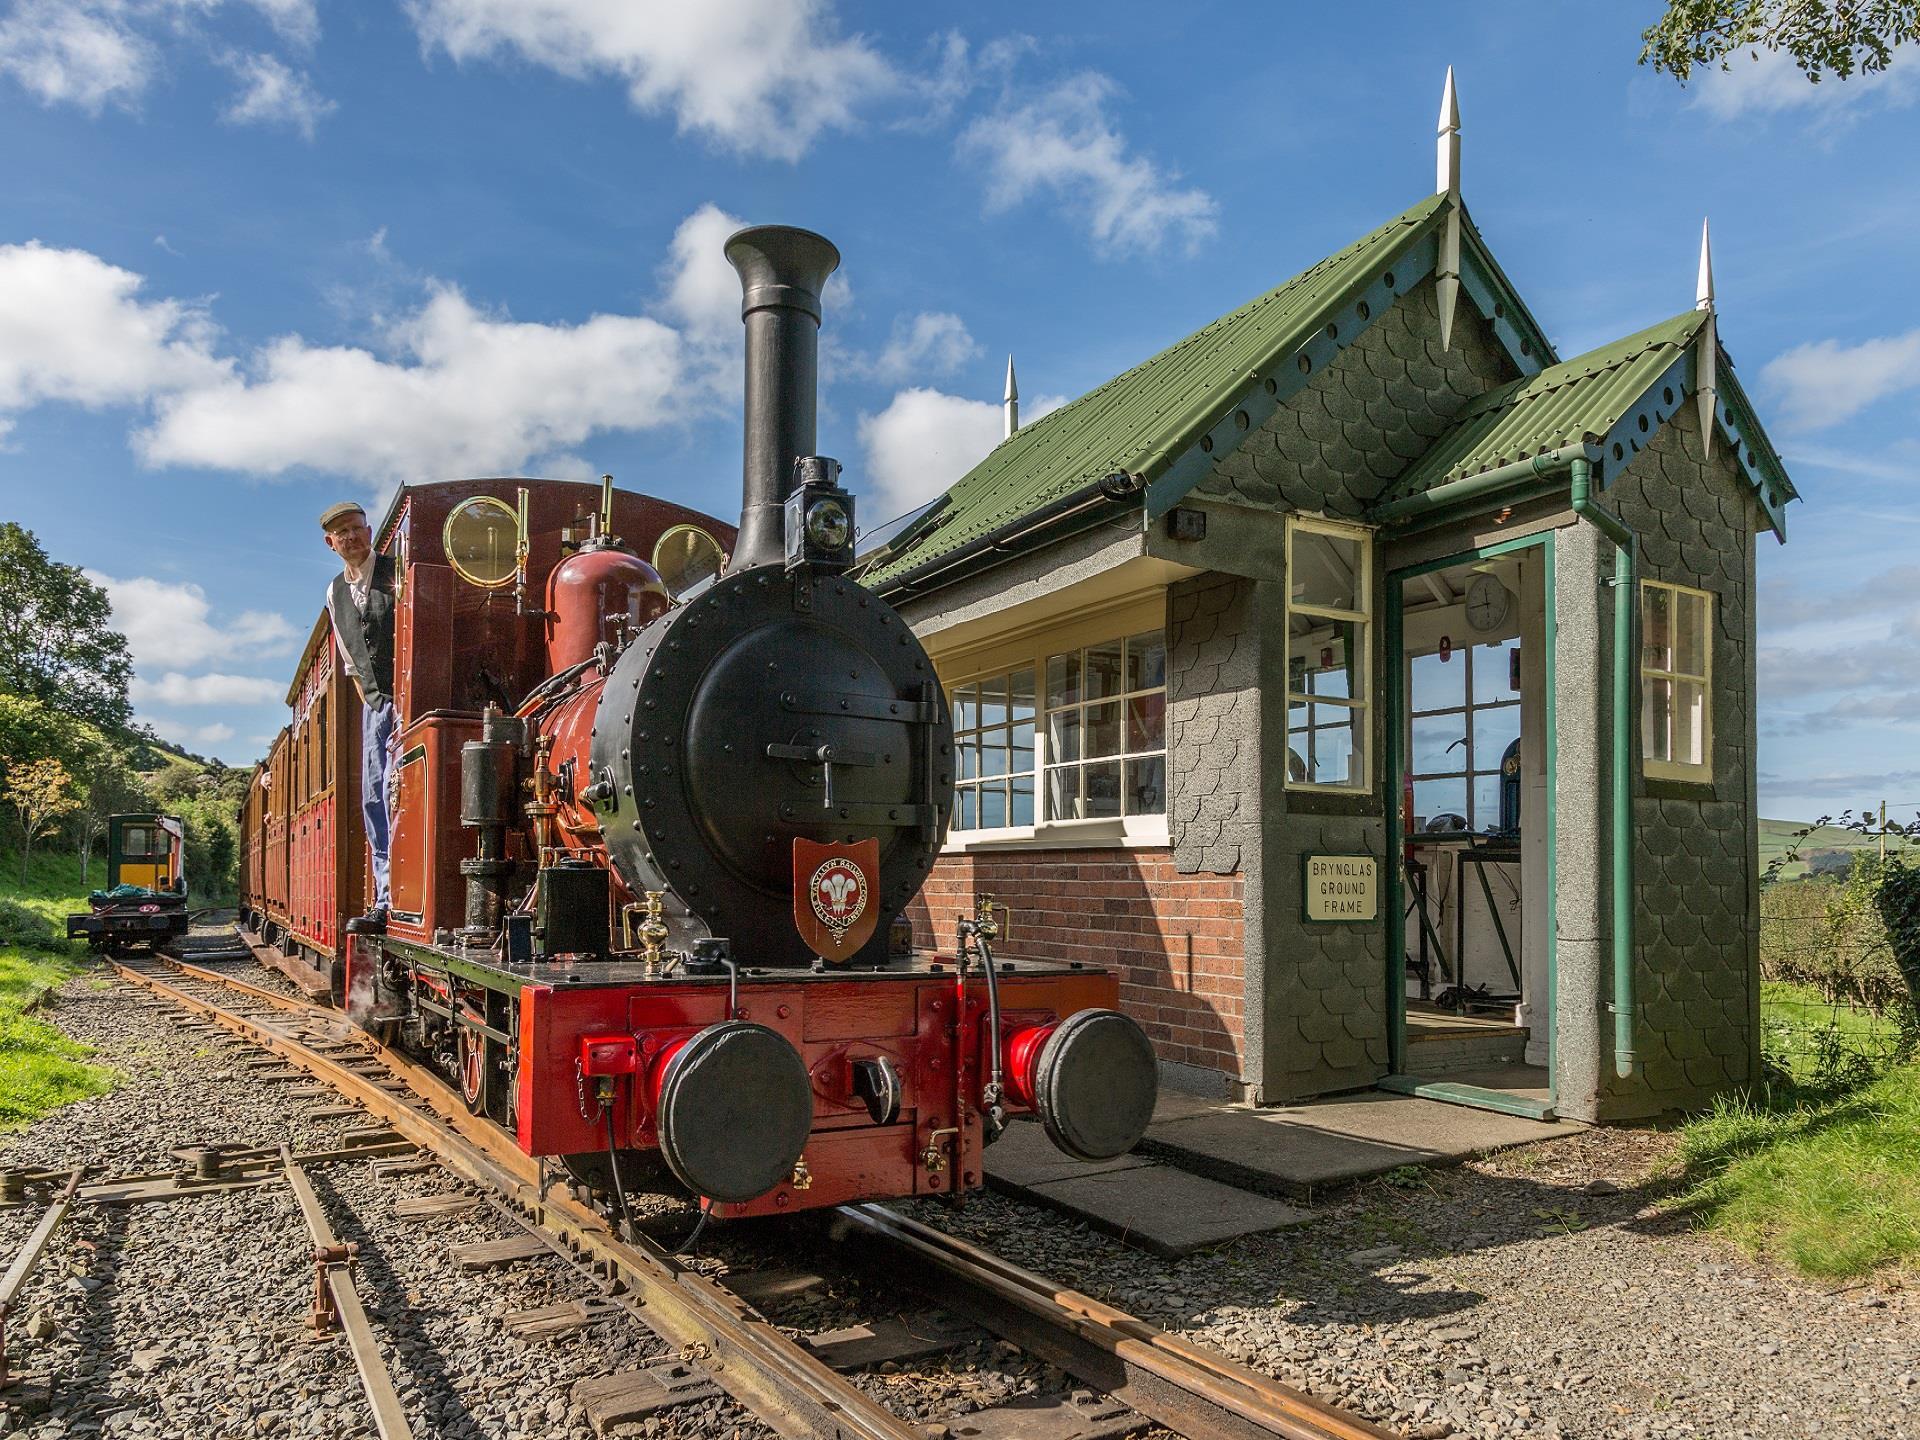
{"type": "Point", "coordinates": [1381, 1251]}
{"type": "Point", "coordinates": [412, 1355]}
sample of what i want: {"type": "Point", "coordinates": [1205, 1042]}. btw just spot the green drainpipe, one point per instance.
{"type": "Point", "coordinates": [1625, 648]}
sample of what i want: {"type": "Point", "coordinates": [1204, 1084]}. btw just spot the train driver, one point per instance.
{"type": "Point", "coordinates": [360, 605]}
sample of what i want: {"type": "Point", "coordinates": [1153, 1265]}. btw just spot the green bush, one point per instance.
{"type": "Point", "coordinates": [24, 929]}
{"type": "Point", "coordinates": [1827, 933]}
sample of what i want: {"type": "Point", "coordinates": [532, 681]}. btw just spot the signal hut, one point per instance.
{"type": "Point", "coordinates": [1376, 687]}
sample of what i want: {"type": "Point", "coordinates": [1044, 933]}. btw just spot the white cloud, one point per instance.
{"type": "Point", "coordinates": [168, 625]}
{"type": "Point", "coordinates": [297, 21]}
{"type": "Point", "coordinates": [1826, 381]}
{"type": "Point", "coordinates": [1771, 84]}
{"type": "Point", "coordinates": [214, 734]}
{"type": "Point", "coordinates": [72, 328]}
{"type": "Point", "coordinates": [76, 54]}
{"type": "Point", "coordinates": [174, 688]}
{"type": "Point", "coordinates": [932, 342]}
{"type": "Point", "coordinates": [466, 393]}
{"type": "Point", "coordinates": [1065, 143]}
{"type": "Point", "coordinates": [93, 53]}
{"type": "Point", "coordinates": [271, 93]}
{"type": "Point", "coordinates": [924, 441]}
{"type": "Point", "coordinates": [754, 76]}
{"type": "Point", "coordinates": [446, 388]}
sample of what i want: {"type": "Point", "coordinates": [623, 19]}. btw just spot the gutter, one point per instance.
{"type": "Point", "coordinates": [1108, 490]}
{"type": "Point", "coordinates": [1577, 461]}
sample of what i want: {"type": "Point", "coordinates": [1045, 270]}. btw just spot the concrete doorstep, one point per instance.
{"type": "Point", "coordinates": [1156, 1207]}
{"type": "Point", "coordinates": [1294, 1149]}
{"type": "Point", "coordinates": [1207, 1172]}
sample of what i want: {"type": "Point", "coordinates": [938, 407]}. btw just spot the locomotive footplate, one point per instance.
{"type": "Point", "coordinates": [485, 968]}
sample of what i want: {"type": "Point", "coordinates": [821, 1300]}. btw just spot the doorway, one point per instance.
{"type": "Point", "coordinates": [1471, 767]}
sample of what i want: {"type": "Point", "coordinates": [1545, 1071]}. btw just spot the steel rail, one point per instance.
{"type": "Point", "coordinates": [768, 1372]}
{"type": "Point", "coordinates": [333, 1273]}
{"type": "Point", "coordinates": [1167, 1378]}
{"type": "Point", "coordinates": [30, 1255]}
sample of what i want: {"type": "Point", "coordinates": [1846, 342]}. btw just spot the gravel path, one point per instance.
{"type": "Point", "coordinates": [1537, 1293]}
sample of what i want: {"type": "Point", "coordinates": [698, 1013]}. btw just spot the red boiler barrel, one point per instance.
{"type": "Point", "coordinates": [594, 593]}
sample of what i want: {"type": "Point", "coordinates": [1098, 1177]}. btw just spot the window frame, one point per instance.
{"type": "Point", "coordinates": [1467, 710]}
{"type": "Point", "coordinates": [1362, 701]}
{"type": "Point", "coordinates": [1686, 772]}
{"type": "Point", "coordinates": [1029, 646]}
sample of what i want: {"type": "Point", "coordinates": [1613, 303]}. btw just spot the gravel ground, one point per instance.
{"type": "Point", "coordinates": [1537, 1293]}
{"type": "Point", "coordinates": [186, 1317]}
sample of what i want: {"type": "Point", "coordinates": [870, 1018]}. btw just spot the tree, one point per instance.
{"type": "Point", "coordinates": [1842, 36]}
{"type": "Point", "coordinates": [40, 791]}
{"type": "Point", "coordinates": [57, 641]}
{"type": "Point", "coordinates": [109, 786]}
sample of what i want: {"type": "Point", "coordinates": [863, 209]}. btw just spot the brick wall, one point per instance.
{"type": "Point", "coordinates": [1178, 941]}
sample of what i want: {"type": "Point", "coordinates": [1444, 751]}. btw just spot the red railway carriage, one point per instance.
{"type": "Point", "coordinates": [655, 823]}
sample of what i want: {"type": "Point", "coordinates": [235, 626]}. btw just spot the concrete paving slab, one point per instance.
{"type": "Point", "coordinates": [1023, 1155]}
{"type": "Point", "coordinates": [1294, 1148]}
{"type": "Point", "coordinates": [1172, 1105]}
{"type": "Point", "coordinates": [1162, 1209]}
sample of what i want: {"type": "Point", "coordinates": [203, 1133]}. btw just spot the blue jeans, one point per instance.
{"type": "Point", "coordinates": [376, 768]}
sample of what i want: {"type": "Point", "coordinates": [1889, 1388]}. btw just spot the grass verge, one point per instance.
{"type": "Point", "coordinates": [40, 1068]}
{"type": "Point", "coordinates": [1829, 1185]}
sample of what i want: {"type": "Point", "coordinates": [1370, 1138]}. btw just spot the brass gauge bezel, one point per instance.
{"type": "Point", "coordinates": [674, 531]}
{"type": "Point", "coordinates": [480, 504]}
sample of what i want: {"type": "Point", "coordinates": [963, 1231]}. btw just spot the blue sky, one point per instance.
{"type": "Point", "coordinates": [256, 255]}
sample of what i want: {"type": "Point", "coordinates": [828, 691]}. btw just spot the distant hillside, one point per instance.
{"type": "Point", "coordinates": [1777, 837]}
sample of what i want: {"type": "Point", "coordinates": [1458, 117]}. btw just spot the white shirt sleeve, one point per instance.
{"type": "Point", "coordinates": [333, 623]}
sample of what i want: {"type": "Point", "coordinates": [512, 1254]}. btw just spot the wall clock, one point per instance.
{"type": "Point", "coordinates": [1488, 602]}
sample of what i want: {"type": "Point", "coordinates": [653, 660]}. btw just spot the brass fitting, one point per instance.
{"type": "Point", "coordinates": [653, 934]}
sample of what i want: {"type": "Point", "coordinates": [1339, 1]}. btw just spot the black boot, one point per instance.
{"type": "Point", "coordinates": [374, 922]}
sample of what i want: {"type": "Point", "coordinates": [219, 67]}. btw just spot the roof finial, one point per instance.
{"type": "Point", "coordinates": [1447, 181]}
{"type": "Point", "coordinates": [1706, 353]}
{"type": "Point", "coordinates": [1010, 401]}
{"type": "Point", "coordinates": [1703, 291]}
{"type": "Point", "coordinates": [1447, 269]}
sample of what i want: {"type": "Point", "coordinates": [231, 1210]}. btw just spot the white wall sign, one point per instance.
{"type": "Point", "coordinates": [1341, 888]}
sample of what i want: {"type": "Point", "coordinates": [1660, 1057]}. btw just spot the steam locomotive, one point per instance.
{"type": "Point", "coordinates": [653, 835]}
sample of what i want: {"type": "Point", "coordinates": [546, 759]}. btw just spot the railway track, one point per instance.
{"type": "Point", "coordinates": [716, 1336]}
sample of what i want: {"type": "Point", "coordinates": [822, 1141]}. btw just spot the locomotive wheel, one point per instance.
{"type": "Point", "coordinates": [471, 1049]}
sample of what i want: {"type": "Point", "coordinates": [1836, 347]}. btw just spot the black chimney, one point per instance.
{"type": "Point", "coordinates": [782, 271]}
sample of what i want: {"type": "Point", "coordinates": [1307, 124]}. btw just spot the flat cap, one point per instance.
{"type": "Point", "coordinates": [334, 513]}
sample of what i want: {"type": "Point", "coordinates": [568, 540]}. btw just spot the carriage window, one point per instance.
{"type": "Point", "coordinates": [136, 842]}
{"type": "Point", "coordinates": [1676, 681]}
{"type": "Point", "coordinates": [1329, 632]}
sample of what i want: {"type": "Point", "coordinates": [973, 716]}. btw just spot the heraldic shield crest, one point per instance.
{"type": "Point", "coordinates": [836, 893]}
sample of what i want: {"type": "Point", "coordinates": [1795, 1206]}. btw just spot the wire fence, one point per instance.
{"type": "Point", "coordinates": [1836, 1011]}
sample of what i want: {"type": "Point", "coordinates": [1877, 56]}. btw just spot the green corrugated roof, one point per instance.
{"type": "Point", "coordinates": [1143, 420]}
{"type": "Point", "coordinates": [1577, 401]}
